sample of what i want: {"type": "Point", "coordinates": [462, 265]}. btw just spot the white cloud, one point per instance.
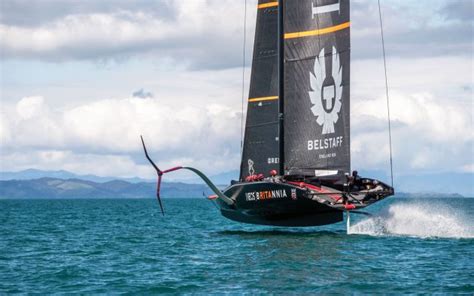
{"type": "Point", "coordinates": [31, 124]}
{"type": "Point", "coordinates": [114, 125]}
{"type": "Point", "coordinates": [103, 136]}
{"type": "Point", "coordinates": [77, 32]}
{"type": "Point", "coordinates": [191, 36]}
{"type": "Point", "coordinates": [428, 133]}
{"type": "Point", "coordinates": [30, 107]}
{"type": "Point", "coordinates": [202, 34]}
{"type": "Point", "coordinates": [448, 78]}
{"type": "Point", "coordinates": [431, 108]}
{"type": "Point", "coordinates": [434, 119]}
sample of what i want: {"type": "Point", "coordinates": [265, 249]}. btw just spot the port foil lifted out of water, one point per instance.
{"type": "Point", "coordinates": [295, 168]}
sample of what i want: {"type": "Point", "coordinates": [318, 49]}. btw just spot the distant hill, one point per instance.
{"type": "Point", "coordinates": [31, 174]}
{"type": "Point", "coordinates": [74, 188]}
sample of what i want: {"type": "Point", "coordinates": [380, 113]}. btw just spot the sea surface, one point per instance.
{"type": "Point", "coordinates": [126, 246]}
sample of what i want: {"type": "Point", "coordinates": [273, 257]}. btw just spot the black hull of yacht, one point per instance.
{"type": "Point", "coordinates": [276, 204]}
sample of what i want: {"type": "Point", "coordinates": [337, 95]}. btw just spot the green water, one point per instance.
{"type": "Point", "coordinates": [126, 246]}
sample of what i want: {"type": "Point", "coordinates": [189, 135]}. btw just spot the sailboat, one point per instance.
{"type": "Point", "coordinates": [295, 168]}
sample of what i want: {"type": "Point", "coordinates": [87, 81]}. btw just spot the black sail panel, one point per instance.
{"type": "Point", "coordinates": [317, 87]}
{"type": "Point", "coordinates": [261, 152]}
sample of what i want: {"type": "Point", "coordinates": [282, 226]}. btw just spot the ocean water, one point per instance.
{"type": "Point", "coordinates": [126, 246]}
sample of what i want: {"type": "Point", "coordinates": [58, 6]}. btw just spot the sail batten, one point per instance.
{"type": "Point", "coordinates": [270, 98]}
{"type": "Point", "coordinates": [267, 5]}
{"type": "Point", "coordinates": [318, 31]}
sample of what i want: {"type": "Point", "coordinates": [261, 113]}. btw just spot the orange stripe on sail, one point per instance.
{"type": "Point", "coordinates": [263, 99]}
{"type": "Point", "coordinates": [266, 5]}
{"type": "Point", "coordinates": [318, 32]}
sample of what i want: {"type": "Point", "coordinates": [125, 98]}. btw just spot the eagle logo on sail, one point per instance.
{"type": "Point", "coordinates": [326, 91]}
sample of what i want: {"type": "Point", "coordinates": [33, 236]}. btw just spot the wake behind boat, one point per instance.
{"type": "Point", "coordinates": [295, 168]}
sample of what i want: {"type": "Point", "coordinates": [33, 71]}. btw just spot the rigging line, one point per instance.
{"type": "Point", "coordinates": [386, 93]}
{"type": "Point", "coordinates": [243, 80]}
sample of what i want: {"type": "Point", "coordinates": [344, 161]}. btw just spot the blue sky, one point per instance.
{"type": "Point", "coordinates": [69, 70]}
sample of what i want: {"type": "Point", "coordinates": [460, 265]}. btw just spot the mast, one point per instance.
{"type": "Point", "coordinates": [281, 83]}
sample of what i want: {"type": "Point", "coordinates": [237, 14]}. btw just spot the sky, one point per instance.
{"type": "Point", "coordinates": [81, 80]}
